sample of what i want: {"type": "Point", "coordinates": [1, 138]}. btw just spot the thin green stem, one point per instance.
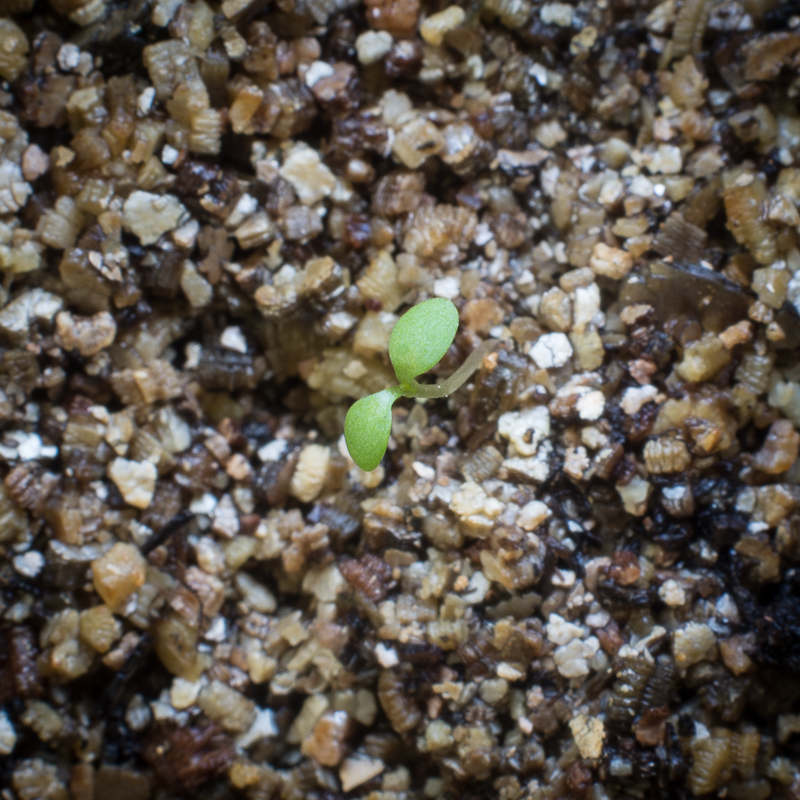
{"type": "Point", "coordinates": [462, 374]}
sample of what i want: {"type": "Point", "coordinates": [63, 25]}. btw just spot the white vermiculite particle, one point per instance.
{"type": "Point", "coordinates": [8, 736]}
{"type": "Point", "coordinates": [355, 771]}
{"type": "Point", "coordinates": [671, 592]}
{"type": "Point", "coordinates": [387, 656]}
{"type": "Point", "coordinates": [232, 338]}
{"type": "Point", "coordinates": [69, 57]}
{"type": "Point", "coordinates": [29, 564]}
{"type": "Point", "coordinates": [572, 659]}
{"type": "Point", "coordinates": [551, 350]}
{"type": "Point", "coordinates": [591, 405]}
{"type": "Point", "coordinates": [532, 515]}
{"type": "Point", "coordinates": [561, 632]}
{"type": "Point", "coordinates": [372, 46]}
{"type": "Point", "coordinates": [317, 71]}
{"type": "Point", "coordinates": [637, 396]}
{"type": "Point", "coordinates": [525, 429]}
{"type": "Point", "coordinates": [169, 155]}
{"type": "Point", "coordinates": [559, 14]}
{"type": "Point", "coordinates": [309, 177]}
{"type": "Point", "coordinates": [136, 480]}
{"type": "Point", "coordinates": [145, 99]}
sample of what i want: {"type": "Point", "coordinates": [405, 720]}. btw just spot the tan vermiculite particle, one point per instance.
{"type": "Point", "coordinates": [87, 335]}
{"type": "Point", "coordinates": [183, 693]}
{"type": "Point", "coordinates": [314, 707]}
{"type": "Point", "coordinates": [666, 454]}
{"type": "Point", "coordinates": [356, 771]}
{"type": "Point", "coordinates": [16, 317]}
{"type": "Point", "coordinates": [416, 141]}
{"type": "Point", "coordinates": [734, 655]}
{"type": "Point", "coordinates": [150, 216]}
{"type": "Point", "coordinates": [35, 162]}
{"type": "Point", "coordinates": [309, 177]}
{"type": "Point", "coordinates": [14, 49]}
{"type": "Point", "coordinates": [740, 333]}
{"type": "Point", "coordinates": [231, 709]}
{"type": "Point", "coordinates": [703, 358]}
{"type": "Point", "coordinates": [610, 261]}
{"type": "Point", "coordinates": [136, 480]}
{"type": "Point", "coordinates": [692, 643]}
{"type": "Point", "coordinates": [589, 734]}
{"type": "Point", "coordinates": [197, 289]}
{"type": "Point", "coordinates": [309, 476]}
{"type": "Point", "coordinates": [438, 735]}
{"type": "Point", "coordinates": [779, 450]}
{"type": "Point", "coordinates": [327, 743]}
{"type": "Point", "coordinates": [671, 592]}
{"type": "Point", "coordinates": [635, 495]}
{"type": "Point", "coordinates": [119, 573]}
{"type": "Point", "coordinates": [436, 26]}
{"type": "Point", "coordinates": [14, 191]}
{"type": "Point", "coordinates": [572, 659]}
{"type": "Point", "coordinates": [372, 46]}
{"type": "Point", "coordinates": [99, 628]}
{"type": "Point", "coordinates": [43, 719]}
{"type": "Point", "coordinates": [532, 515]}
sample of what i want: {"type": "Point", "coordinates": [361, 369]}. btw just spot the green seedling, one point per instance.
{"type": "Point", "coordinates": [419, 340]}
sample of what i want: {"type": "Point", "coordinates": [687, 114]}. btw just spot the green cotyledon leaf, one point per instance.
{"type": "Point", "coordinates": [367, 427]}
{"type": "Point", "coordinates": [421, 337]}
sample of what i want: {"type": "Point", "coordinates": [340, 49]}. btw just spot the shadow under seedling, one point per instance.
{"type": "Point", "coordinates": [419, 340]}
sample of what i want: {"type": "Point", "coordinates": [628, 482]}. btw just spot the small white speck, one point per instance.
{"type": "Point", "coordinates": [539, 73]}
{"type": "Point", "coordinates": [386, 656]}
{"type": "Point", "coordinates": [145, 101]}
{"type": "Point", "coordinates": [559, 14]}
{"type": "Point", "coordinates": [641, 186]}
{"type": "Point", "coordinates": [69, 57]}
{"type": "Point", "coordinates": [483, 234]}
{"type": "Point", "coordinates": [217, 630]}
{"type": "Point", "coordinates": [204, 504]}
{"type": "Point", "coordinates": [563, 578]}
{"type": "Point", "coordinates": [671, 592]}
{"type": "Point", "coordinates": [8, 736]}
{"type": "Point", "coordinates": [372, 46]}
{"type": "Point", "coordinates": [232, 338]}
{"type": "Point", "coordinates": [244, 208]}
{"type": "Point", "coordinates": [29, 564]}
{"type": "Point", "coordinates": [264, 727]}
{"type": "Point", "coordinates": [193, 352]}
{"type": "Point", "coordinates": [169, 155]}
{"type": "Point", "coordinates": [317, 71]}
{"type": "Point", "coordinates": [272, 451]}
{"type": "Point", "coordinates": [449, 287]}
{"type": "Point", "coordinates": [424, 471]}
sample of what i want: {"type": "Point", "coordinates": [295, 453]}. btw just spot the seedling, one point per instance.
{"type": "Point", "coordinates": [419, 340]}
